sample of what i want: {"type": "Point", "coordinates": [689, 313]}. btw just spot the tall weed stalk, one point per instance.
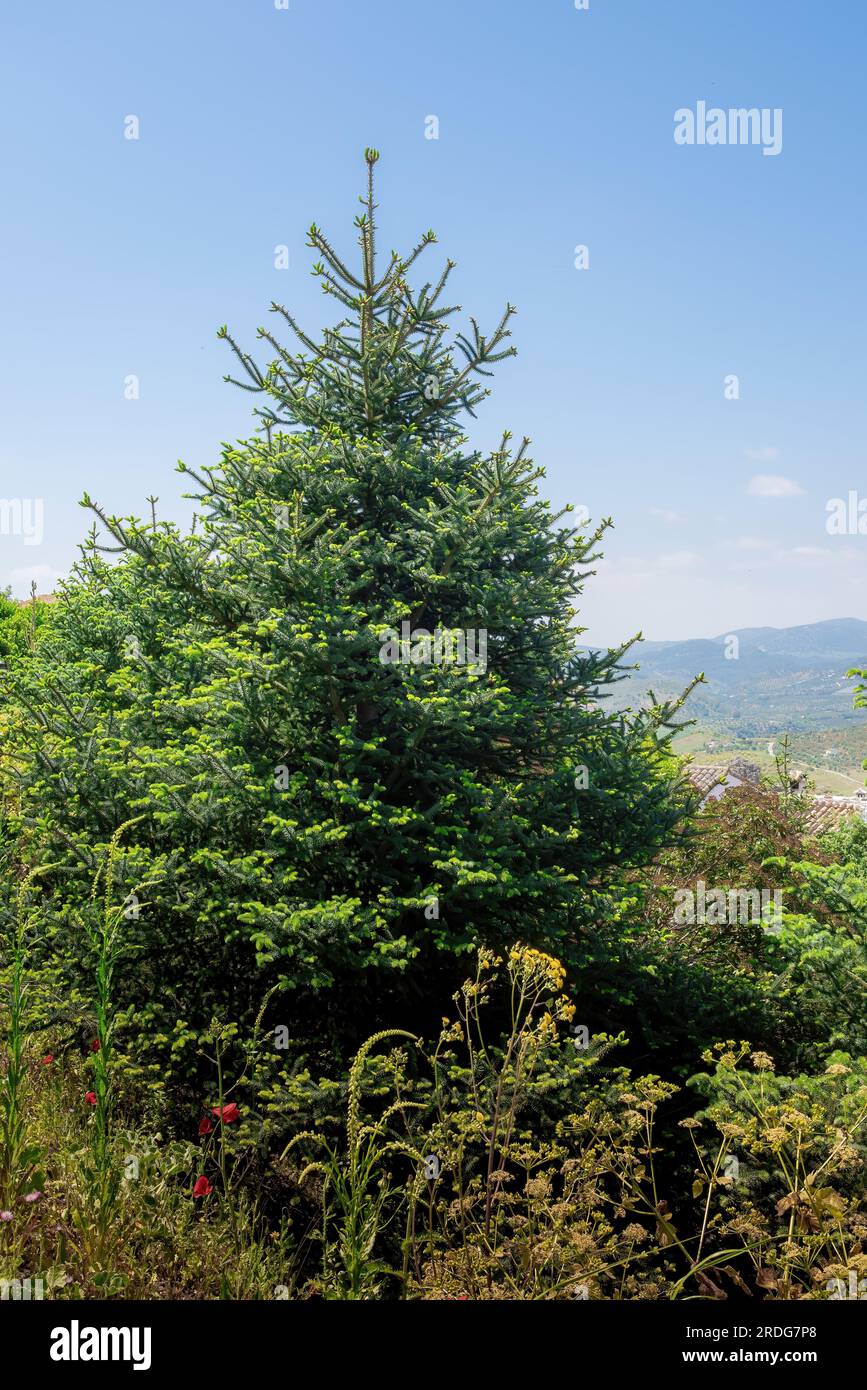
{"type": "Point", "coordinates": [358, 1198]}
{"type": "Point", "coordinates": [102, 1173]}
{"type": "Point", "coordinates": [18, 1159]}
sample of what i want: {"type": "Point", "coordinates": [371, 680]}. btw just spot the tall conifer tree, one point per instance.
{"type": "Point", "coordinates": [332, 803]}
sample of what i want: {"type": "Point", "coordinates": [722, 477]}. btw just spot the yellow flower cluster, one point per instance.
{"type": "Point", "coordinates": [451, 1032]}
{"type": "Point", "coordinates": [546, 1028]}
{"type": "Point", "coordinates": [535, 968]}
{"type": "Point", "coordinates": [564, 1011]}
{"type": "Point", "coordinates": [487, 959]}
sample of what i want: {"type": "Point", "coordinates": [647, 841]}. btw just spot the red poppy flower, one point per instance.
{"type": "Point", "coordinates": [48, 1059]}
{"type": "Point", "coordinates": [94, 1046]}
{"type": "Point", "coordinates": [202, 1188]}
{"type": "Point", "coordinates": [230, 1114]}
{"type": "Point", "coordinates": [90, 1097]}
{"type": "Point", "coordinates": [205, 1126]}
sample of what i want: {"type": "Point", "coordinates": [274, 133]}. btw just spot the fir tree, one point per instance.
{"type": "Point", "coordinates": [320, 813]}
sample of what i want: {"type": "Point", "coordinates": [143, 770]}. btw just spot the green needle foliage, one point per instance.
{"type": "Point", "coordinates": [316, 815]}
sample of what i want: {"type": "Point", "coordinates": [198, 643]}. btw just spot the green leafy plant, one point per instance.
{"type": "Point", "coordinates": [356, 1189]}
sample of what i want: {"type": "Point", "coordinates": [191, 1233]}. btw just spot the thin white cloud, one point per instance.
{"type": "Point", "coordinates": [780, 558]}
{"type": "Point", "coordinates": [765, 455]}
{"type": "Point", "coordinates": [752, 543]}
{"type": "Point", "coordinates": [810, 552]}
{"type": "Point", "coordinates": [772, 585]}
{"type": "Point", "coordinates": [645, 566]}
{"type": "Point", "coordinates": [773, 485]}
{"type": "Point", "coordinates": [671, 518]}
{"type": "Point", "coordinates": [20, 579]}
{"type": "Point", "coordinates": [777, 589]}
{"type": "Point", "coordinates": [678, 560]}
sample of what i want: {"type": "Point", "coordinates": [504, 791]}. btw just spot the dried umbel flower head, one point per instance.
{"type": "Point", "coordinates": [761, 1061]}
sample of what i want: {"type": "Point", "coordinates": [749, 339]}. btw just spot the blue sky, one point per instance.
{"type": "Point", "coordinates": [123, 257]}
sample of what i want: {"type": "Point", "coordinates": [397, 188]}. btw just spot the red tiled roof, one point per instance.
{"type": "Point", "coordinates": [829, 812]}
{"type": "Point", "coordinates": [704, 776]}
{"type": "Point", "coordinates": [824, 813]}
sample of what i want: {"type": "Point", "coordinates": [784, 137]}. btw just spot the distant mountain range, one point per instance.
{"type": "Point", "coordinates": [760, 680]}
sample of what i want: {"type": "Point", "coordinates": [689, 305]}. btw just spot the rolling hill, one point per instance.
{"type": "Point", "coordinates": [769, 681]}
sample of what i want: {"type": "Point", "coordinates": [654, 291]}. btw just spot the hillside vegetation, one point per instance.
{"type": "Point", "coordinates": [760, 682]}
